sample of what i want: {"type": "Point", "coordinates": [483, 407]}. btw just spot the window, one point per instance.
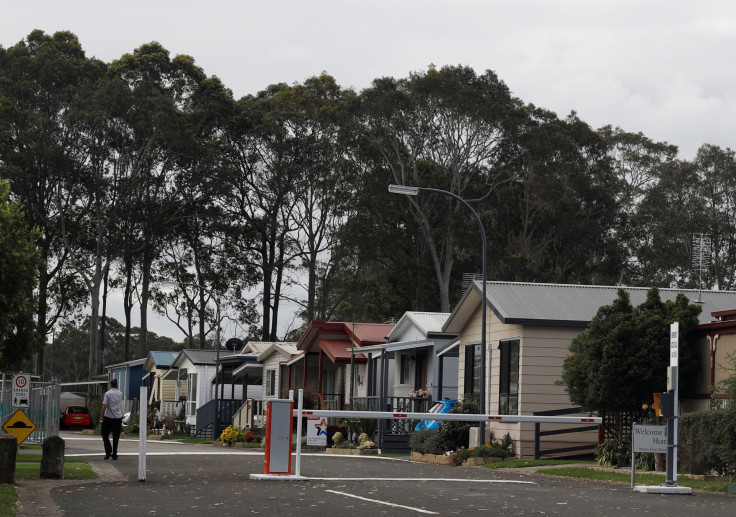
{"type": "Point", "coordinates": [271, 383]}
{"type": "Point", "coordinates": [472, 371]}
{"type": "Point", "coordinates": [404, 372]}
{"type": "Point", "coordinates": [508, 389]}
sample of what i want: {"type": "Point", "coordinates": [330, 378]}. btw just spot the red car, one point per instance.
{"type": "Point", "coordinates": [76, 416]}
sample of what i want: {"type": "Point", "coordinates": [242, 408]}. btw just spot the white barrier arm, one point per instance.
{"type": "Point", "coordinates": [459, 417]}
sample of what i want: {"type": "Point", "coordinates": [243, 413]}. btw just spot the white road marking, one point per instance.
{"type": "Point", "coordinates": [382, 502]}
{"type": "Point", "coordinates": [455, 480]}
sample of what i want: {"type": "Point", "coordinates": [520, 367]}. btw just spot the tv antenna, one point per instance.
{"type": "Point", "coordinates": [702, 255]}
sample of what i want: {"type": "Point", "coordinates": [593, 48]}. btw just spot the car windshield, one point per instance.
{"type": "Point", "coordinates": [78, 410]}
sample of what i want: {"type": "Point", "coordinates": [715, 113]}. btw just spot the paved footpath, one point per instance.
{"type": "Point", "coordinates": [186, 479]}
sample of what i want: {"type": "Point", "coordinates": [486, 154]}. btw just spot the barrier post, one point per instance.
{"type": "Point", "coordinates": [299, 407]}
{"type": "Point", "coordinates": [142, 432]}
{"type": "Point", "coordinates": [279, 414]}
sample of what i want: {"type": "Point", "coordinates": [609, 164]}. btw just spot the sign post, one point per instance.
{"type": "Point", "coordinates": [672, 383]}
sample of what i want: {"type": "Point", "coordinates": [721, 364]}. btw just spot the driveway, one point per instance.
{"type": "Point", "coordinates": [202, 479]}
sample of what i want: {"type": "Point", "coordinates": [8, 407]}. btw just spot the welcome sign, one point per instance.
{"type": "Point", "coordinates": [650, 438]}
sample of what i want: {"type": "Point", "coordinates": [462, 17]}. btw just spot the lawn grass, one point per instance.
{"type": "Point", "coordinates": [641, 479]}
{"type": "Point", "coordinates": [36, 458]}
{"type": "Point", "coordinates": [517, 464]}
{"type": "Point", "coordinates": [8, 501]}
{"type": "Point", "coordinates": [29, 466]}
{"type": "Point", "coordinates": [193, 440]}
{"type": "Point", "coordinates": [71, 471]}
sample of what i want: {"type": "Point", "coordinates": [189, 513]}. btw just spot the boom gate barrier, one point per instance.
{"type": "Point", "coordinates": [299, 412]}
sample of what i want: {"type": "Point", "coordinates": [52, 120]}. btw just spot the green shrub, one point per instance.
{"type": "Point", "coordinates": [425, 442]}
{"type": "Point", "coordinates": [703, 445]}
{"type": "Point", "coordinates": [613, 453]}
{"type": "Point", "coordinates": [455, 435]}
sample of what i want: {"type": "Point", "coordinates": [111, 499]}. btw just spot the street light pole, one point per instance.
{"type": "Point", "coordinates": [217, 347]}
{"type": "Point", "coordinates": [413, 191]}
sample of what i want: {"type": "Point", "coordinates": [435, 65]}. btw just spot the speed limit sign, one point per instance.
{"type": "Point", "coordinates": [21, 391]}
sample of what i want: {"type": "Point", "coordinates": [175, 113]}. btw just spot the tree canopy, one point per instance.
{"type": "Point", "coordinates": [144, 176]}
{"type": "Point", "coordinates": [621, 358]}
{"type": "Point", "coordinates": [19, 262]}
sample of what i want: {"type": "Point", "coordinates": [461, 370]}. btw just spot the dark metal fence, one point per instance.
{"type": "Point", "coordinates": [538, 434]}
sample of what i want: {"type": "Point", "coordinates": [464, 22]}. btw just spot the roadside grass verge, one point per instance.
{"type": "Point", "coordinates": [8, 501]}
{"type": "Point", "coordinates": [28, 466]}
{"type": "Point", "coordinates": [36, 458]}
{"type": "Point", "coordinates": [517, 464]}
{"type": "Point", "coordinates": [193, 440]}
{"type": "Point", "coordinates": [641, 479]}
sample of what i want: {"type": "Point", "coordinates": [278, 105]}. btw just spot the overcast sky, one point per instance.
{"type": "Point", "coordinates": [664, 68]}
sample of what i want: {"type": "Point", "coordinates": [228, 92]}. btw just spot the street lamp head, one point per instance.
{"type": "Point", "coordinates": [403, 189]}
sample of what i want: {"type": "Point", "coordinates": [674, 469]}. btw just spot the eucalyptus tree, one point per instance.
{"type": "Point", "coordinates": [90, 200]}
{"type": "Point", "coordinates": [555, 220]}
{"type": "Point", "coordinates": [200, 251]}
{"type": "Point", "coordinates": [638, 162]}
{"type": "Point", "coordinates": [264, 170]}
{"type": "Point", "coordinates": [444, 129]}
{"type": "Point", "coordinates": [690, 197]}
{"type": "Point", "coordinates": [716, 170]}
{"type": "Point", "coordinates": [662, 228]}
{"type": "Point", "coordinates": [19, 262]}
{"type": "Point", "coordinates": [161, 89]}
{"type": "Point", "coordinates": [39, 80]}
{"type": "Point", "coordinates": [317, 116]}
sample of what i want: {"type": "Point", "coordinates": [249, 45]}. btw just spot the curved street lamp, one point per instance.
{"type": "Point", "coordinates": [217, 346]}
{"type": "Point", "coordinates": [413, 191]}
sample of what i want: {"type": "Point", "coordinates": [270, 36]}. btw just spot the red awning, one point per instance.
{"type": "Point", "coordinates": [338, 353]}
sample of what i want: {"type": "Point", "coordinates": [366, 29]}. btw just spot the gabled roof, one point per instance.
{"type": "Point", "coordinates": [337, 352]}
{"type": "Point", "coordinates": [425, 322]}
{"type": "Point", "coordinates": [195, 356]}
{"type": "Point", "coordinates": [127, 364]}
{"type": "Point", "coordinates": [564, 304]}
{"type": "Point", "coordinates": [287, 349]}
{"type": "Point", "coordinates": [256, 347]}
{"type": "Point", "coordinates": [160, 359]}
{"type": "Point", "coordinates": [361, 333]}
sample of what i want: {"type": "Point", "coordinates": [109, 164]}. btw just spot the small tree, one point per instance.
{"type": "Point", "coordinates": [621, 358]}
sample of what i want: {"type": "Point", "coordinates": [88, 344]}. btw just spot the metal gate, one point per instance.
{"type": "Point", "coordinates": [43, 409]}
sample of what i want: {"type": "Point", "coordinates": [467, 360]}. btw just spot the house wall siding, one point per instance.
{"type": "Point", "coordinates": [542, 351]}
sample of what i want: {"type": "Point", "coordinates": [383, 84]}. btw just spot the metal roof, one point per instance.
{"type": "Point", "coordinates": [569, 305]}
{"type": "Point", "coordinates": [162, 358]}
{"type": "Point", "coordinates": [196, 356]}
{"type": "Point", "coordinates": [425, 322]}
{"type": "Point", "coordinates": [288, 349]}
{"type": "Point", "coordinates": [337, 351]}
{"type": "Point", "coordinates": [369, 333]}
{"type": "Point", "coordinates": [258, 347]}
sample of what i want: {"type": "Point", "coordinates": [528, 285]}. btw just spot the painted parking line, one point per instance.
{"type": "Point", "coordinates": [414, 480]}
{"type": "Point", "coordinates": [377, 501]}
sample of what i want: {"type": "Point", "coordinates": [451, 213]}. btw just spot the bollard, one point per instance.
{"type": "Point", "coordinates": [52, 459]}
{"type": "Point", "coordinates": [8, 452]}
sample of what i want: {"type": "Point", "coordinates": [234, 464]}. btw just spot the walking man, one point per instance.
{"type": "Point", "coordinates": [111, 417]}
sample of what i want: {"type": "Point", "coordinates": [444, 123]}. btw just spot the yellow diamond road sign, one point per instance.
{"type": "Point", "coordinates": [20, 425]}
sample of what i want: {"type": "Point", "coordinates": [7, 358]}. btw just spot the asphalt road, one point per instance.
{"type": "Point", "coordinates": [206, 480]}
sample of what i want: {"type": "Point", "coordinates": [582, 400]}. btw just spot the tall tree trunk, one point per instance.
{"type": "Point", "coordinates": [145, 284]}
{"type": "Point", "coordinates": [128, 302]}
